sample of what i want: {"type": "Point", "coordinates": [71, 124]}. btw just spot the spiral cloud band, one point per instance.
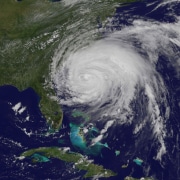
{"type": "Point", "coordinates": [105, 73]}
{"type": "Point", "coordinates": [110, 76]}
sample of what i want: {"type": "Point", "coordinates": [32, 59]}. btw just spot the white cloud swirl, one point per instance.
{"type": "Point", "coordinates": [107, 76]}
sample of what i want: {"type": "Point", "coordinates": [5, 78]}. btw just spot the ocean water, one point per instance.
{"type": "Point", "coordinates": [125, 85]}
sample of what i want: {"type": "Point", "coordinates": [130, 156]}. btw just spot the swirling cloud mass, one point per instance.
{"type": "Point", "coordinates": [116, 79]}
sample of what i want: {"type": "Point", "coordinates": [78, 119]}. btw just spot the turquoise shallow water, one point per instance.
{"type": "Point", "coordinates": [157, 144]}
{"type": "Point", "coordinates": [77, 139]}
{"type": "Point", "coordinates": [80, 140]}
{"type": "Point", "coordinates": [126, 82]}
{"type": "Point", "coordinates": [40, 158]}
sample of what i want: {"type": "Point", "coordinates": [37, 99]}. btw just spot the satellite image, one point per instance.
{"type": "Point", "coordinates": [90, 89]}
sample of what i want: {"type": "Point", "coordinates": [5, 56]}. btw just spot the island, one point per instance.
{"type": "Point", "coordinates": [81, 162]}
{"type": "Point", "coordinates": [30, 33]}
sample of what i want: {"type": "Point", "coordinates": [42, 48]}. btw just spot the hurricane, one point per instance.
{"type": "Point", "coordinates": [90, 89]}
{"type": "Point", "coordinates": [118, 78]}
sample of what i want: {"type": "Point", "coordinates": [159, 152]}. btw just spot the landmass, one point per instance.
{"type": "Point", "coordinates": [79, 160]}
{"type": "Point", "coordinates": [44, 154]}
{"type": "Point", "coordinates": [30, 32]}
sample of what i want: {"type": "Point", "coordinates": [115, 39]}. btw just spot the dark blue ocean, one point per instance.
{"type": "Point", "coordinates": [23, 127]}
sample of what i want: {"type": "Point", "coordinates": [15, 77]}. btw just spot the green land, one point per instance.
{"type": "Point", "coordinates": [44, 154]}
{"type": "Point", "coordinates": [30, 32]}
{"type": "Point", "coordinates": [79, 161]}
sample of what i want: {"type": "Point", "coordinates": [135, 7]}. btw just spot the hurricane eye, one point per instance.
{"type": "Point", "coordinates": [121, 80]}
